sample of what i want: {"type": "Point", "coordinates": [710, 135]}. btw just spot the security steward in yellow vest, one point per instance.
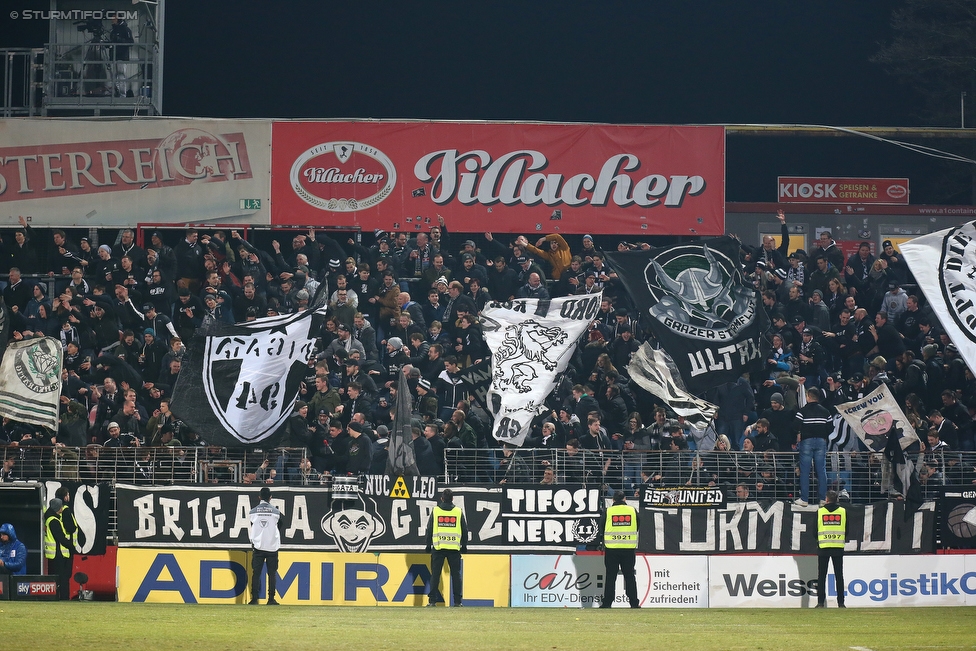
{"type": "Point", "coordinates": [68, 517]}
{"type": "Point", "coordinates": [57, 548]}
{"type": "Point", "coordinates": [447, 539]}
{"type": "Point", "coordinates": [620, 550]}
{"type": "Point", "coordinates": [831, 536]}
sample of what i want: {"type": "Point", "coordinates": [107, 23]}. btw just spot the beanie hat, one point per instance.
{"type": "Point", "coordinates": [776, 397]}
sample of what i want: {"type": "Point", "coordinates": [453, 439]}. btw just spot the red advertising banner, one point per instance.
{"type": "Point", "coordinates": [512, 178]}
{"type": "Point", "coordinates": [808, 189]}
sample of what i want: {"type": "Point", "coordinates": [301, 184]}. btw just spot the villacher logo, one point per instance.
{"type": "Point", "coordinates": [343, 176]}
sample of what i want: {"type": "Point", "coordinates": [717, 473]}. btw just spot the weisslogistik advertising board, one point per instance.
{"type": "Point", "coordinates": [120, 172]}
{"type": "Point", "coordinates": [213, 576]}
{"type": "Point", "coordinates": [505, 177]}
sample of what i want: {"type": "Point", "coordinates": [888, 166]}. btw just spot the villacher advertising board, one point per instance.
{"type": "Point", "coordinates": [568, 178]}
{"type": "Point", "coordinates": [110, 172]}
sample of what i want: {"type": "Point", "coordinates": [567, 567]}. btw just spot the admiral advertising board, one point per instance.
{"type": "Point", "coordinates": [214, 576]}
{"type": "Point", "coordinates": [568, 178]}
{"type": "Point", "coordinates": [120, 172]}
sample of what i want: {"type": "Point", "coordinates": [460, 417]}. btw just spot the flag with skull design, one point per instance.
{"type": "Point", "coordinates": [693, 297]}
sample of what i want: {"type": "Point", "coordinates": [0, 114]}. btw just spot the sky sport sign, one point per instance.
{"type": "Point", "coordinates": [807, 189]}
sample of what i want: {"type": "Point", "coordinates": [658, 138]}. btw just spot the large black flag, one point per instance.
{"type": "Point", "coordinates": [710, 323]}
{"type": "Point", "coordinates": [402, 460]}
{"type": "Point", "coordinates": [239, 382]}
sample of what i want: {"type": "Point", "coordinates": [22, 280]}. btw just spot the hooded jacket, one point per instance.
{"type": "Point", "coordinates": [13, 553]}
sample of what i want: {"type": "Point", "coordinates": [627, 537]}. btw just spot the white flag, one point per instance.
{"type": "Point", "coordinates": [30, 382]}
{"type": "Point", "coordinates": [877, 416]}
{"type": "Point", "coordinates": [651, 370]}
{"type": "Point", "coordinates": [531, 341]}
{"type": "Point", "coordinates": [944, 264]}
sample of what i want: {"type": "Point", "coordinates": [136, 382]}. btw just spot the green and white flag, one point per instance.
{"type": "Point", "coordinates": [30, 382]}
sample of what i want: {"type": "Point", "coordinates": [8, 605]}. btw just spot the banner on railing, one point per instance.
{"type": "Point", "coordinates": [500, 519]}
{"type": "Point", "coordinates": [784, 528]}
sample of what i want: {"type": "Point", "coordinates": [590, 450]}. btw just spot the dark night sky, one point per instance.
{"type": "Point", "coordinates": [612, 61]}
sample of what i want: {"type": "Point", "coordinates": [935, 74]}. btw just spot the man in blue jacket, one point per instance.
{"type": "Point", "coordinates": [13, 553]}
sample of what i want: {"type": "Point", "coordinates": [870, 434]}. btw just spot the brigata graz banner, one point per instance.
{"type": "Point", "coordinates": [111, 172]}
{"type": "Point", "coordinates": [570, 178]}
{"type": "Point", "coordinates": [500, 519]}
{"type": "Point", "coordinates": [783, 528]}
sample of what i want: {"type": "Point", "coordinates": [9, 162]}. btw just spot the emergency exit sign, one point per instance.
{"type": "Point", "coordinates": [250, 204]}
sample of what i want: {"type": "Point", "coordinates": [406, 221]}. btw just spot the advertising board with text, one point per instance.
{"type": "Point", "coordinates": [872, 581]}
{"type": "Point", "coordinates": [503, 177]}
{"type": "Point", "coordinates": [808, 189]}
{"type": "Point", "coordinates": [577, 581]}
{"type": "Point", "coordinates": [110, 172]}
{"type": "Point", "coordinates": [213, 576]}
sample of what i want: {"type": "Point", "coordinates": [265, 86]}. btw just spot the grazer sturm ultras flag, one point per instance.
{"type": "Point", "coordinates": [30, 382]}
{"type": "Point", "coordinates": [944, 265]}
{"type": "Point", "coordinates": [239, 382]}
{"type": "Point", "coordinates": [711, 324]}
{"type": "Point", "coordinates": [531, 342]}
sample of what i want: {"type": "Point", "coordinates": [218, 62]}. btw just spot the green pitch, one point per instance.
{"type": "Point", "coordinates": [155, 627]}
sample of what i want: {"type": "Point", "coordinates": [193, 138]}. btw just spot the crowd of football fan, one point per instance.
{"type": "Point", "coordinates": [124, 314]}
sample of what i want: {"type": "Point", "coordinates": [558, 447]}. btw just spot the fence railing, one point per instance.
{"type": "Point", "coordinates": [159, 465]}
{"type": "Point", "coordinates": [769, 475]}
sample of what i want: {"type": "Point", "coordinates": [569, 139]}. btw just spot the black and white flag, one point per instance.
{"type": "Point", "coordinates": [944, 265]}
{"type": "Point", "coordinates": [651, 370]}
{"type": "Point", "coordinates": [710, 323]}
{"type": "Point", "coordinates": [30, 382]}
{"type": "Point", "coordinates": [239, 382]}
{"type": "Point", "coordinates": [531, 342]}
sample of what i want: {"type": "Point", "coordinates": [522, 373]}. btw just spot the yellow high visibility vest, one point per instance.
{"type": "Point", "coordinates": [447, 528]}
{"type": "Point", "coordinates": [831, 527]}
{"type": "Point", "coordinates": [620, 529]}
{"type": "Point", "coordinates": [50, 544]}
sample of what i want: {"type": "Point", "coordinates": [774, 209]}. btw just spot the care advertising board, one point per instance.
{"type": "Point", "coordinates": [577, 581]}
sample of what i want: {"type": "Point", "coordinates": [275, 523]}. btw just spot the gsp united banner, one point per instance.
{"type": "Point", "coordinates": [531, 342]}
{"type": "Point", "coordinates": [570, 178]}
{"type": "Point", "coordinates": [708, 321]}
{"type": "Point", "coordinates": [114, 172]}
